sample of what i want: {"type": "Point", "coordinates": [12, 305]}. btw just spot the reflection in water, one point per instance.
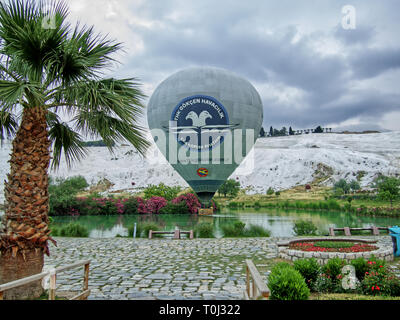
{"type": "Point", "coordinates": [279, 222]}
{"type": "Point", "coordinates": [118, 229]}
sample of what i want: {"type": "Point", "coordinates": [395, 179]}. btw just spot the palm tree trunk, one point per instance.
{"type": "Point", "coordinates": [24, 233]}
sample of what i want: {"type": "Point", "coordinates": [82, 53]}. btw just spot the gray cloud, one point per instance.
{"type": "Point", "coordinates": [285, 46]}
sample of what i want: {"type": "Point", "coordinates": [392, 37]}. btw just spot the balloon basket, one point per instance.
{"type": "Point", "coordinates": [206, 211]}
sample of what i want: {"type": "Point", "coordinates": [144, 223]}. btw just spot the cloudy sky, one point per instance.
{"type": "Point", "coordinates": [307, 67]}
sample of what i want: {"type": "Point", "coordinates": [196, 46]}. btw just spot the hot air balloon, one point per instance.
{"type": "Point", "coordinates": [205, 120]}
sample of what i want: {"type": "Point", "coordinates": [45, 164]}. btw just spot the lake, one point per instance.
{"type": "Point", "coordinates": [279, 222]}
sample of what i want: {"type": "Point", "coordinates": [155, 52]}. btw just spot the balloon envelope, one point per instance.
{"type": "Point", "coordinates": [205, 121]}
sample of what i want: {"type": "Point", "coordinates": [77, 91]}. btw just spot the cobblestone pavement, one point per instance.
{"type": "Point", "coordinates": [138, 269]}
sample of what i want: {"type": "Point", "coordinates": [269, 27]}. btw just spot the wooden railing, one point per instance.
{"type": "Point", "coordinates": [255, 285]}
{"type": "Point", "coordinates": [347, 231]}
{"type": "Point", "coordinates": [177, 233]}
{"type": "Point", "coordinates": [52, 290]}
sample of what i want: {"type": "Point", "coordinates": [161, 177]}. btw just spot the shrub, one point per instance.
{"type": "Point", "coordinates": [375, 283]}
{"type": "Point", "coordinates": [286, 283]}
{"type": "Point", "coordinates": [361, 267]}
{"type": "Point", "coordinates": [191, 201]}
{"type": "Point", "coordinates": [270, 191]}
{"type": "Point", "coordinates": [73, 229]}
{"type": "Point", "coordinates": [233, 229]}
{"type": "Point", "coordinates": [309, 269]}
{"type": "Point", "coordinates": [256, 231]}
{"type": "Point", "coordinates": [302, 228]}
{"type": "Point", "coordinates": [333, 268]}
{"type": "Point", "coordinates": [155, 204]}
{"type": "Point", "coordinates": [147, 226]}
{"type": "Point", "coordinates": [131, 206]}
{"type": "Point", "coordinates": [323, 284]}
{"type": "Point", "coordinates": [161, 190]}
{"type": "Point", "coordinates": [175, 208]}
{"type": "Point", "coordinates": [204, 230]}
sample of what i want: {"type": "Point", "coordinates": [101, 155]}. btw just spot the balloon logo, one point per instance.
{"type": "Point", "coordinates": [205, 121]}
{"type": "Point", "coordinates": [202, 172]}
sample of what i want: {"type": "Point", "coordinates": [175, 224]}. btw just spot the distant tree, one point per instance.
{"type": "Point", "coordinates": [388, 188]}
{"type": "Point", "coordinates": [354, 185]}
{"type": "Point", "coordinates": [271, 131]}
{"type": "Point", "coordinates": [291, 132]}
{"type": "Point", "coordinates": [318, 130]}
{"type": "Point", "coordinates": [283, 131]}
{"type": "Point", "coordinates": [270, 191]}
{"type": "Point", "coordinates": [342, 184]}
{"type": "Point", "coordinates": [262, 132]}
{"type": "Point", "coordinates": [230, 187]}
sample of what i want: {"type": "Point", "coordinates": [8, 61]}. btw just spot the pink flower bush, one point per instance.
{"type": "Point", "coordinates": [155, 204]}
{"type": "Point", "coordinates": [142, 208]}
{"type": "Point", "coordinates": [191, 201]}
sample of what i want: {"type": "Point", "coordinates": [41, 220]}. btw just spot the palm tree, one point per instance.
{"type": "Point", "coordinates": [44, 69]}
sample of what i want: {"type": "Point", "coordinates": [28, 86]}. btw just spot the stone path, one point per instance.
{"type": "Point", "coordinates": [138, 269]}
{"type": "Point", "coordinates": [160, 268]}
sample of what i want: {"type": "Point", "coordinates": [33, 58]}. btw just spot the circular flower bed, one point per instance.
{"type": "Point", "coordinates": [332, 246]}
{"type": "Point", "coordinates": [325, 248]}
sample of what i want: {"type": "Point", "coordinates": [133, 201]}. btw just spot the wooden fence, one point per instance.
{"type": "Point", "coordinates": [347, 231]}
{"type": "Point", "coordinates": [255, 285]}
{"type": "Point", "coordinates": [53, 276]}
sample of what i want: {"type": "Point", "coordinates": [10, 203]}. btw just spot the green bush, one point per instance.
{"type": "Point", "coordinates": [161, 190]}
{"type": "Point", "coordinates": [131, 206]}
{"type": "Point", "coordinates": [235, 229]}
{"type": "Point", "coordinates": [309, 269]}
{"type": "Point", "coordinates": [204, 230]}
{"type": "Point", "coordinates": [323, 284]}
{"type": "Point", "coordinates": [286, 283]}
{"type": "Point", "coordinates": [256, 231]}
{"type": "Point", "coordinates": [72, 229]}
{"type": "Point", "coordinates": [175, 208]}
{"type": "Point", "coordinates": [361, 267]}
{"type": "Point", "coordinates": [147, 226]}
{"type": "Point", "coordinates": [270, 191]}
{"type": "Point", "coordinates": [303, 228]}
{"type": "Point", "coordinates": [333, 268]}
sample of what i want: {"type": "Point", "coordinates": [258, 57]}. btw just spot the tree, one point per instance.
{"type": "Point", "coordinates": [318, 130]}
{"type": "Point", "coordinates": [271, 131]}
{"type": "Point", "coordinates": [262, 132]}
{"type": "Point", "coordinates": [44, 69]}
{"type": "Point", "coordinates": [388, 188]}
{"type": "Point", "coordinates": [230, 187]}
{"type": "Point", "coordinates": [354, 185]}
{"type": "Point", "coordinates": [291, 133]}
{"type": "Point", "coordinates": [343, 185]}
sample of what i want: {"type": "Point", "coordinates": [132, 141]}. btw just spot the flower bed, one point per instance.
{"type": "Point", "coordinates": [305, 248]}
{"type": "Point", "coordinates": [330, 246]}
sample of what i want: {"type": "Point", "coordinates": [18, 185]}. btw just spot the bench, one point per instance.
{"type": "Point", "coordinates": [177, 233]}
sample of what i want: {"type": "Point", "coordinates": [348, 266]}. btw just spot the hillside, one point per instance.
{"type": "Point", "coordinates": [280, 163]}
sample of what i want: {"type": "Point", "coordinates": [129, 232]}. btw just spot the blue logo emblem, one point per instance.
{"type": "Point", "coordinates": [201, 122]}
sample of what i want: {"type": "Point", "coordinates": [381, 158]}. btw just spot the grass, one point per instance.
{"type": "Point", "coordinates": [333, 244]}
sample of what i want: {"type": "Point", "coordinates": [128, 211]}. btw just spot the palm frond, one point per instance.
{"type": "Point", "coordinates": [111, 129]}
{"type": "Point", "coordinates": [64, 139]}
{"type": "Point", "coordinates": [8, 125]}
{"type": "Point", "coordinates": [116, 102]}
